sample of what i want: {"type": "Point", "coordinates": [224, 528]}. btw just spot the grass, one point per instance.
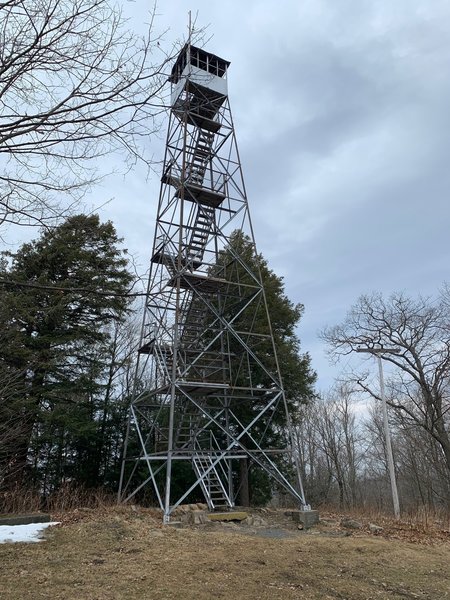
{"type": "Point", "coordinates": [117, 553]}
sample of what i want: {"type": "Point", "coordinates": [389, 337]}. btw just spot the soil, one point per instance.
{"type": "Point", "coordinates": [126, 553]}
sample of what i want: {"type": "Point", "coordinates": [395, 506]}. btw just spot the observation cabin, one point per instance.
{"type": "Point", "coordinates": [199, 75]}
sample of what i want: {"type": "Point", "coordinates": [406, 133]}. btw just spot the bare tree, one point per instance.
{"type": "Point", "coordinates": [75, 85]}
{"type": "Point", "coordinates": [420, 464]}
{"type": "Point", "coordinates": [317, 474]}
{"type": "Point", "coordinates": [329, 445]}
{"type": "Point", "coordinates": [420, 329]}
{"type": "Point", "coordinates": [375, 478]}
{"type": "Point", "coordinates": [337, 437]}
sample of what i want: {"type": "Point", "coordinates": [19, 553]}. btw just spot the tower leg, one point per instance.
{"type": "Point", "coordinates": [169, 455]}
{"type": "Point", "coordinates": [124, 456]}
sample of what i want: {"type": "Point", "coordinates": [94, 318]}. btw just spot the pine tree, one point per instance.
{"type": "Point", "coordinates": [60, 295]}
{"type": "Point", "coordinates": [295, 367]}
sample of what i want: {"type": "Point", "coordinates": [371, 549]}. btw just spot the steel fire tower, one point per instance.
{"type": "Point", "coordinates": [208, 385]}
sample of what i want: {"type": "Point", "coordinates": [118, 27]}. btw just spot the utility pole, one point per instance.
{"type": "Point", "coordinates": [378, 352]}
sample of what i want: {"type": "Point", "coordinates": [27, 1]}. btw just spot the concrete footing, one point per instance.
{"type": "Point", "coordinates": [228, 516]}
{"type": "Point", "coordinates": [308, 518]}
{"type": "Point", "coordinates": [174, 524]}
{"type": "Point", "coordinates": [24, 519]}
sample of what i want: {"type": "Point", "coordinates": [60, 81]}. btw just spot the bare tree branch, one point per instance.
{"type": "Point", "coordinates": [75, 85]}
{"type": "Point", "coordinates": [420, 329]}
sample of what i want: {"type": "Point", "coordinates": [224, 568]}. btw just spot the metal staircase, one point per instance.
{"type": "Point", "coordinates": [201, 157]}
{"type": "Point", "coordinates": [201, 230]}
{"type": "Point", "coordinates": [206, 469]}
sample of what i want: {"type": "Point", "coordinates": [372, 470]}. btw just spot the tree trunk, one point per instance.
{"type": "Point", "coordinates": [244, 486]}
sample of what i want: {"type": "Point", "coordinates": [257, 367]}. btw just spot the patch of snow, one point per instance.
{"type": "Point", "coordinates": [23, 533]}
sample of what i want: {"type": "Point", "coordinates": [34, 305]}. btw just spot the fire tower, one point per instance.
{"type": "Point", "coordinates": [208, 389]}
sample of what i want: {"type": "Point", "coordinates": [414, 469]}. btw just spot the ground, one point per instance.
{"type": "Point", "coordinates": [125, 553]}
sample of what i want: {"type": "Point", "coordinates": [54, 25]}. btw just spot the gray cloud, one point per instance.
{"type": "Point", "coordinates": [341, 112]}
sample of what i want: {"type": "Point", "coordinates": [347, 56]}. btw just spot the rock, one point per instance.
{"type": "Point", "coordinates": [194, 517]}
{"type": "Point", "coordinates": [375, 528]}
{"type": "Point", "coordinates": [351, 524]}
{"type": "Point", "coordinates": [157, 532]}
{"type": "Point", "coordinates": [182, 509]}
{"type": "Point", "coordinates": [175, 525]}
{"type": "Point", "coordinates": [328, 523]}
{"type": "Point", "coordinates": [255, 520]}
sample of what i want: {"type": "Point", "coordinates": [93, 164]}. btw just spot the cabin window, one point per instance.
{"type": "Point", "coordinates": [201, 60]}
{"type": "Point", "coordinates": [213, 66]}
{"type": "Point", "coordinates": [194, 57]}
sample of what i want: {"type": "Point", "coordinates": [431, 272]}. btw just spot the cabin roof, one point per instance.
{"type": "Point", "coordinates": [202, 54]}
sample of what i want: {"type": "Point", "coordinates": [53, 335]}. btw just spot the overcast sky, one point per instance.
{"type": "Point", "coordinates": [342, 114]}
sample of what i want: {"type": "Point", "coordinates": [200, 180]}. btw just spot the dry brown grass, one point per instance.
{"type": "Point", "coordinates": [114, 554]}
{"type": "Point", "coordinates": [19, 500]}
{"type": "Point", "coordinates": [68, 497]}
{"type": "Point", "coordinates": [422, 517]}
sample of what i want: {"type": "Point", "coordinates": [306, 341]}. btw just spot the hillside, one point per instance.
{"type": "Point", "coordinates": [116, 553]}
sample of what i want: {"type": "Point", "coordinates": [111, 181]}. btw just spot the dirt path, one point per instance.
{"type": "Point", "coordinates": [123, 555]}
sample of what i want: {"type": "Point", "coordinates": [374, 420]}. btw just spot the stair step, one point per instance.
{"type": "Point", "coordinates": [200, 163]}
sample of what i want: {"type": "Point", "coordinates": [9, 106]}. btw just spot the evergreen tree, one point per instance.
{"type": "Point", "coordinates": [61, 294]}
{"type": "Point", "coordinates": [295, 368]}
{"type": "Point", "coordinates": [297, 376]}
